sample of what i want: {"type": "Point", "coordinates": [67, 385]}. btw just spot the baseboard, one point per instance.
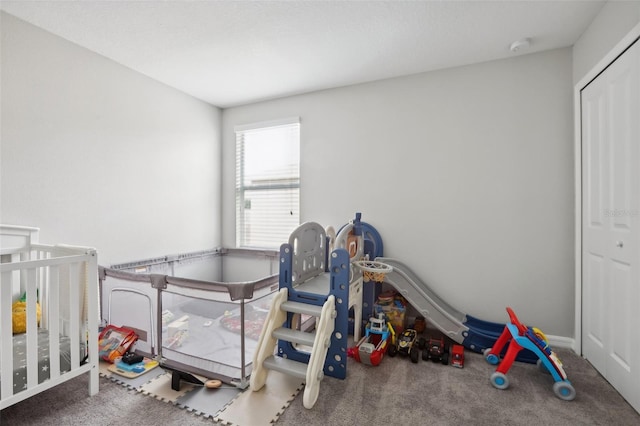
{"type": "Point", "coordinates": [561, 342]}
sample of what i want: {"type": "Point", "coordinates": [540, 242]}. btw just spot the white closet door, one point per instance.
{"type": "Point", "coordinates": [611, 224]}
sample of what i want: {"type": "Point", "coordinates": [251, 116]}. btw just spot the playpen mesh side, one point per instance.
{"type": "Point", "coordinates": [206, 334]}
{"type": "Point", "coordinates": [198, 321]}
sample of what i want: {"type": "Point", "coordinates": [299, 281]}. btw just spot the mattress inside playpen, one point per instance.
{"type": "Point", "coordinates": [207, 334]}
{"type": "Point", "coordinates": [20, 358]}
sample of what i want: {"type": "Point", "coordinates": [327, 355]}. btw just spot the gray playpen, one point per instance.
{"type": "Point", "coordinates": [189, 313]}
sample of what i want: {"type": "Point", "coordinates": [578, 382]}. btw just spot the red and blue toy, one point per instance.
{"type": "Point", "coordinates": [521, 337]}
{"type": "Point", "coordinates": [372, 347]}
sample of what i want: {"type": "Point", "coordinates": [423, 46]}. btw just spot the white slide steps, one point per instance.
{"type": "Point", "coordinates": [316, 343]}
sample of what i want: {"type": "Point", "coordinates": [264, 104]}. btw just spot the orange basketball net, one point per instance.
{"type": "Point", "coordinates": [373, 270]}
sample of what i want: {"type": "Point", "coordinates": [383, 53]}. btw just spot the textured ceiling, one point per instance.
{"type": "Point", "coordinates": [230, 53]}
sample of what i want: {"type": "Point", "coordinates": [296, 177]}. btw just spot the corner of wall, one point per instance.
{"type": "Point", "coordinates": [615, 20]}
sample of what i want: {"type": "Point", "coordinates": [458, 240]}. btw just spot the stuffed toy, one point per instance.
{"type": "Point", "coordinates": [19, 316]}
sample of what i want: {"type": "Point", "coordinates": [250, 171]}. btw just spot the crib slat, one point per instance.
{"type": "Point", "coordinates": [32, 329]}
{"type": "Point", "coordinates": [74, 314]}
{"type": "Point", "coordinates": [93, 318]}
{"type": "Point", "coordinates": [6, 334]}
{"type": "Point", "coordinates": [53, 312]}
{"type": "Point", "coordinates": [43, 294]}
{"type": "Point", "coordinates": [15, 286]}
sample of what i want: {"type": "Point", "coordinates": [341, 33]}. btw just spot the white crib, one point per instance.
{"type": "Point", "coordinates": [63, 281]}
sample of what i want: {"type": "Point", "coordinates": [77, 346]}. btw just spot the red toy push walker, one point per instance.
{"type": "Point", "coordinates": [522, 337]}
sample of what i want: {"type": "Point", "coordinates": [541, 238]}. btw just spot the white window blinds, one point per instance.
{"type": "Point", "coordinates": [267, 183]}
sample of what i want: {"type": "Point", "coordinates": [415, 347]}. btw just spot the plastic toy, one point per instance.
{"type": "Point", "coordinates": [213, 384]}
{"type": "Point", "coordinates": [114, 342]}
{"type": "Point", "coordinates": [419, 324]}
{"type": "Point", "coordinates": [406, 345]}
{"type": "Point", "coordinates": [523, 337]}
{"type": "Point", "coordinates": [473, 333]}
{"type": "Point", "coordinates": [457, 356]}
{"type": "Point", "coordinates": [132, 358]}
{"type": "Point", "coordinates": [125, 367]}
{"type": "Point", "coordinates": [436, 350]}
{"type": "Point", "coordinates": [379, 335]}
{"type": "Point", "coordinates": [19, 314]}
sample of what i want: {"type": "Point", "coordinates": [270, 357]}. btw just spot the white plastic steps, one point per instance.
{"type": "Point", "coordinates": [266, 342]}
{"type": "Point", "coordinates": [294, 336]}
{"type": "Point", "coordinates": [286, 366]}
{"type": "Point", "coordinates": [324, 329]}
{"type": "Point", "coordinates": [301, 308]}
{"type": "Point", "coordinates": [317, 343]}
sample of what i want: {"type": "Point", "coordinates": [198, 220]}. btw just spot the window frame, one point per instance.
{"type": "Point", "coordinates": [242, 240]}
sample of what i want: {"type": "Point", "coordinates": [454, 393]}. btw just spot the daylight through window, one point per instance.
{"type": "Point", "coordinates": [267, 183]}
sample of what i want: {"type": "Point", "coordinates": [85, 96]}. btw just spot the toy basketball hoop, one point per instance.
{"type": "Point", "coordinates": [373, 270]}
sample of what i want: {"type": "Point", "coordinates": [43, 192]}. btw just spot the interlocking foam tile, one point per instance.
{"type": "Point", "coordinates": [208, 402]}
{"type": "Point", "coordinates": [104, 369]}
{"type": "Point", "coordinates": [265, 406]}
{"type": "Point", "coordinates": [138, 382]}
{"type": "Point", "coordinates": [160, 388]}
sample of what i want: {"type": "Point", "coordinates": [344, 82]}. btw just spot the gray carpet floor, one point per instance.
{"type": "Point", "coordinates": [397, 392]}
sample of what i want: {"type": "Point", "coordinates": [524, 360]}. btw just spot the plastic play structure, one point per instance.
{"type": "Point", "coordinates": [473, 333]}
{"type": "Point", "coordinates": [319, 284]}
{"type": "Point", "coordinates": [322, 276]}
{"type": "Point", "coordinates": [522, 337]}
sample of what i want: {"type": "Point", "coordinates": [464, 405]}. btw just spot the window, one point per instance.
{"type": "Point", "coordinates": [267, 183]}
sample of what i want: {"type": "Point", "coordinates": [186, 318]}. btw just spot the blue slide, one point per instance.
{"type": "Point", "coordinates": [473, 333]}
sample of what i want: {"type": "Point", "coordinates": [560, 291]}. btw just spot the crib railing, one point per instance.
{"type": "Point", "coordinates": [62, 280]}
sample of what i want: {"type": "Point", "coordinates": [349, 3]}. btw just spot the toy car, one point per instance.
{"type": "Point", "coordinates": [436, 350]}
{"type": "Point", "coordinates": [406, 345]}
{"type": "Point", "coordinates": [457, 356]}
{"type": "Point", "coordinates": [519, 337]}
{"type": "Point", "coordinates": [378, 337]}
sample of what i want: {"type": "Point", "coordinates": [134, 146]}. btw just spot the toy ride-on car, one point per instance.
{"type": "Point", "coordinates": [407, 344]}
{"type": "Point", "coordinates": [378, 337]}
{"type": "Point", "coordinates": [436, 351]}
{"type": "Point", "coordinates": [516, 337]}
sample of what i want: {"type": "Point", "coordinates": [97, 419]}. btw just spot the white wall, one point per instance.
{"type": "Point", "coordinates": [613, 22]}
{"type": "Point", "coordinates": [96, 154]}
{"type": "Point", "coordinates": [467, 173]}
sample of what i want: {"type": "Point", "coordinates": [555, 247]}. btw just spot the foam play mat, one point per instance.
{"type": "Point", "coordinates": [226, 404]}
{"type": "Point", "coordinates": [265, 406]}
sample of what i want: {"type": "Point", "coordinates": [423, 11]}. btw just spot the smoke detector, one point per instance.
{"type": "Point", "coordinates": [520, 45]}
